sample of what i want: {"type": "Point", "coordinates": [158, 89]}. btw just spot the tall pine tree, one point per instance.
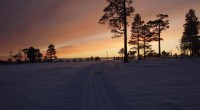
{"type": "Point", "coordinates": [136, 33]}
{"type": "Point", "coordinates": [146, 38]}
{"type": "Point", "coordinates": [190, 40]}
{"type": "Point", "coordinates": [51, 52]}
{"type": "Point", "coordinates": [115, 14]}
{"type": "Point", "coordinates": [158, 26]}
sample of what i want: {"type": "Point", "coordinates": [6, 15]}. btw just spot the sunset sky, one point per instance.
{"type": "Point", "coordinates": [72, 25]}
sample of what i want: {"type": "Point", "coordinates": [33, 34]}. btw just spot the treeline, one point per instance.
{"type": "Point", "coordinates": [150, 53]}
{"type": "Point", "coordinates": [86, 59]}
{"type": "Point", "coordinates": [33, 55]}
{"type": "Point", "coordinates": [143, 33]}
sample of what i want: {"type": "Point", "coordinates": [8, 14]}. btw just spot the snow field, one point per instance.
{"type": "Point", "coordinates": [37, 86]}
{"type": "Point", "coordinates": [152, 84]}
{"type": "Point", "coordinates": [58, 86]}
{"type": "Point", "coordinates": [161, 84]}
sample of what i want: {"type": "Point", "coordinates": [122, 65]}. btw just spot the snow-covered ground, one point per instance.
{"type": "Point", "coordinates": [152, 84]}
{"type": "Point", "coordinates": [161, 84]}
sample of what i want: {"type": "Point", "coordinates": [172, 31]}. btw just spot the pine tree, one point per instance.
{"type": "Point", "coordinates": [146, 38]}
{"type": "Point", "coordinates": [158, 26]}
{"type": "Point", "coordinates": [115, 14]}
{"type": "Point", "coordinates": [190, 39]}
{"type": "Point", "coordinates": [51, 52]}
{"type": "Point", "coordinates": [136, 33]}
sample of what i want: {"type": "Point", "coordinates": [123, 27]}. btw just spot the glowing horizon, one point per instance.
{"type": "Point", "coordinates": [72, 25]}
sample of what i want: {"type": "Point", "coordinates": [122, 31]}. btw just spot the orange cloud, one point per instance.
{"type": "Point", "coordinates": [92, 48]}
{"type": "Point", "coordinates": [72, 25]}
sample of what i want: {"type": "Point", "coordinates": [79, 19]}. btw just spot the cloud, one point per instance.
{"type": "Point", "coordinates": [66, 47]}
{"type": "Point", "coordinates": [41, 22]}
{"type": "Point", "coordinates": [74, 23]}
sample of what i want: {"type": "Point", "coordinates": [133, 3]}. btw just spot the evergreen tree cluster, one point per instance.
{"type": "Point", "coordinates": [144, 33]}
{"type": "Point", "coordinates": [32, 55]}
{"type": "Point", "coordinates": [190, 41]}
{"type": "Point", "coordinates": [115, 15]}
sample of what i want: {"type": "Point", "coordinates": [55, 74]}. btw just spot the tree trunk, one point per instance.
{"type": "Point", "coordinates": [190, 46]}
{"type": "Point", "coordinates": [125, 34]}
{"type": "Point", "coordinates": [51, 60]}
{"type": "Point", "coordinates": [159, 48]}
{"type": "Point", "coordinates": [144, 47]}
{"type": "Point", "coordinates": [138, 47]}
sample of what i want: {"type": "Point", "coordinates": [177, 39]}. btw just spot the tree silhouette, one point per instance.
{"type": "Point", "coordinates": [11, 56]}
{"type": "Point", "coordinates": [165, 54]}
{"type": "Point", "coordinates": [97, 58]}
{"type": "Point", "coordinates": [190, 39]}
{"type": "Point", "coordinates": [158, 26]}
{"type": "Point", "coordinates": [25, 51]}
{"type": "Point", "coordinates": [38, 55]}
{"type": "Point", "coordinates": [152, 53]}
{"type": "Point", "coordinates": [146, 37]}
{"type": "Point", "coordinates": [115, 14]}
{"type": "Point", "coordinates": [91, 58]}
{"type": "Point", "coordinates": [136, 33]}
{"type": "Point", "coordinates": [131, 54]}
{"type": "Point", "coordinates": [121, 52]}
{"type": "Point", "coordinates": [51, 52]}
{"type": "Point", "coordinates": [31, 54]}
{"type": "Point", "coordinates": [18, 56]}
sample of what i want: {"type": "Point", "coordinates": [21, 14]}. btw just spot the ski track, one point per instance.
{"type": "Point", "coordinates": [86, 89]}
{"type": "Point", "coordinates": [161, 84]}
{"type": "Point", "coordinates": [98, 94]}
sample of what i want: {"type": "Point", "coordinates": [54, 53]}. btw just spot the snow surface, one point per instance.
{"type": "Point", "coordinates": [152, 84]}
{"type": "Point", "coordinates": [161, 84]}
